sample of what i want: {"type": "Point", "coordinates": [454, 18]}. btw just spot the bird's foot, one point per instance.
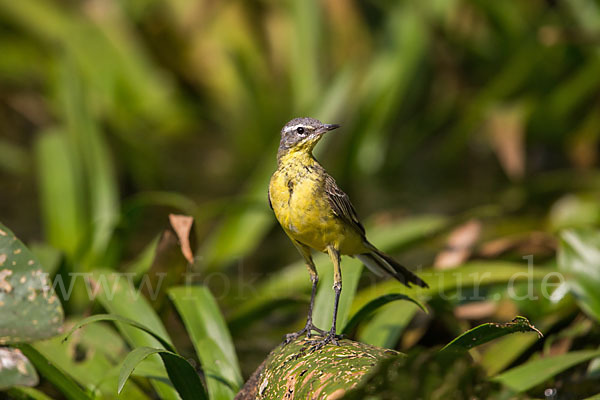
{"type": "Point", "coordinates": [330, 338]}
{"type": "Point", "coordinates": [307, 330]}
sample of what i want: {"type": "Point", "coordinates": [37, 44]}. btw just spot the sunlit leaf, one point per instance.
{"type": "Point", "coordinates": [578, 259]}
{"type": "Point", "coordinates": [15, 370]}
{"type": "Point", "coordinates": [46, 368]}
{"type": "Point", "coordinates": [530, 374]}
{"type": "Point", "coordinates": [181, 373]}
{"type": "Point", "coordinates": [489, 331]}
{"type": "Point", "coordinates": [29, 308]}
{"type": "Point", "coordinates": [211, 339]}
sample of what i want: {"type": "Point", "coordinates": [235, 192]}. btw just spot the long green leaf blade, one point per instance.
{"type": "Point", "coordinates": [119, 318]}
{"type": "Point", "coordinates": [373, 305]}
{"type": "Point", "coordinates": [489, 331]}
{"type": "Point", "coordinates": [183, 376]}
{"type": "Point", "coordinates": [530, 374]}
{"type": "Point", "coordinates": [65, 384]}
{"type": "Point", "coordinates": [211, 339]}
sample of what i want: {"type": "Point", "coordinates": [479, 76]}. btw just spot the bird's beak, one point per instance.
{"type": "Point", "coordinates": [327, 128]}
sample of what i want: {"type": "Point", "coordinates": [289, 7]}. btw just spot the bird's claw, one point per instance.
{"type": "Point", "coordinates": [330, 338]}
{"type": "Point", "coordinates": [308, 329]}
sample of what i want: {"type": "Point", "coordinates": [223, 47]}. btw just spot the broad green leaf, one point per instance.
{"type": "Point", "coordinates": [46, 368]}
{"type": "Point", "coordinates": [61, 194]}
{"type": "Point", "coordinates": [118, 295]}
{"type": "Point", "coordinates": [15, 369]}
{"type": "Point", "coordinates": [93, 155]}
{"type": "Point", "coordinates": [489, 331]}
{"type": "Point", "coordinates": [91, 357]}
{"type": "Point", "coordinates": [504, 351]}
{"type": "Point", "coordinates": [388, 324]}
{"type": "Point", "coordinates": [29, 308]}
{"type": "Point", "coordinates": [578, 259]}
{"type": "Point", "coordinates": [532, 373]}
{"type": "Point", "coordinates": [210, 336]}
{"type": "Point", "coordinates": [373, 305]}
{"type": "Point", "coordinates": [125, 320]}
{"type": "Point", "coordinates": [183, 376]}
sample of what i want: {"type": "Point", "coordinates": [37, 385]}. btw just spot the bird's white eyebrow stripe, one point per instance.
{"type": "Point", "coordinates": [293, 127]}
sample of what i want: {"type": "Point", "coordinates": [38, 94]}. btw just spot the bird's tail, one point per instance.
{"type": "Point", "coordinates": [382, 264]}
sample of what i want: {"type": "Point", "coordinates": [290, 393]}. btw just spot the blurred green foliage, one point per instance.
{"type": "Point", "coordinates": [113, 114]}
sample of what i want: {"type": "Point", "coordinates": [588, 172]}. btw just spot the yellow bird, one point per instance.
{"type": "Point", "coordinates": [316, 214]}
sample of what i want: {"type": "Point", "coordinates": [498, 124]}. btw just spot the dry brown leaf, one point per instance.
{"type": "Point", "coordinates": [478, 310]}
{"type": "Point", "coordinates": [459, 245]}
{"type": "Point", "coordinates": [529, 243]}
{"type": "Point", "coordinates": [182, 225]}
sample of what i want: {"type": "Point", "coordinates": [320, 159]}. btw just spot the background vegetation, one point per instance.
{"type": "Point", "coordinates": [470, 139]}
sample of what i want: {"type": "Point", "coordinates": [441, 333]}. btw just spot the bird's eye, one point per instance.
{"type": "Point", "coordinates": [300, 130]}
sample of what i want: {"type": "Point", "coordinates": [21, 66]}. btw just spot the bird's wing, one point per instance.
{"type": "Point", "coordinates": [341, 205]}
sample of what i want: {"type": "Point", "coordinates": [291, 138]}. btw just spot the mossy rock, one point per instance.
{"type": "Point", "coordinates": [299, 371]}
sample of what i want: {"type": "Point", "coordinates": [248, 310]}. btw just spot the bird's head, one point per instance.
{"type": "Point", "coordinates": [302, 134]}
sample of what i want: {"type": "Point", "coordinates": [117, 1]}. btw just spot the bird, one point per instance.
{"type": "Point", "coordinates": [317, 215]}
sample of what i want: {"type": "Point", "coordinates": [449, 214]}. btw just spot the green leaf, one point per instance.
{"type": "Point", "coordinates": [119, 297]}
{"type": "Point", "coordinates": [29, 308]}
{"type": "Point", "coordinates": [118, 318]}
{"type": "Point", "coordinates": [183, 376]}
{"type": "Point", "coordinates": [578, 259]}
{"type": "Point", "coordinates": [386, 327]}
{"type": "Point", "coordinates": [60, 191]}
{"type": "Point", "coordinates": [27, 393]}
{"type": "Point", "coordinates": [489, 331]}
{"type": "Point", "coordinates": [93, 155]}
{"type": "Point", "coordinates": [92, 357]}
{"type": "Point", "coordinates": [528, 375]}
{"type": "Point", "coordinates": [374, 304]}
{"type": "Point", "coordinates": [504, 351]}
{"type": "Point", "coordinates": [15, 369]}
{"type": "Point", "coordinates": [210, 336]}
{"type": "Point", "coordinates": [64, 383]}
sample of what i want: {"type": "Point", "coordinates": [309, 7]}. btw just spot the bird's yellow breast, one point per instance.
{"type": "Point", "coordinates": [297, 195]}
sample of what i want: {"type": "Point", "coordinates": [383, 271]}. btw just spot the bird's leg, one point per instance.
{"type": "Point", "coordinates": [314, 277]}
{"type": "Point", "coordinates": [337, 287]}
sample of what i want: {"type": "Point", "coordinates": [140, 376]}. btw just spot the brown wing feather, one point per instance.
{"type": "Point", "coordinates": [341, 205]}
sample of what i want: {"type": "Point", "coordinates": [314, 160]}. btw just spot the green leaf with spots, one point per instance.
{"type": "Point", "coordinates": [29, 309]}
{"type": "Point", "coordinates": [489, 331]}
{"type": "Point", "coordinates": [15, 369]}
